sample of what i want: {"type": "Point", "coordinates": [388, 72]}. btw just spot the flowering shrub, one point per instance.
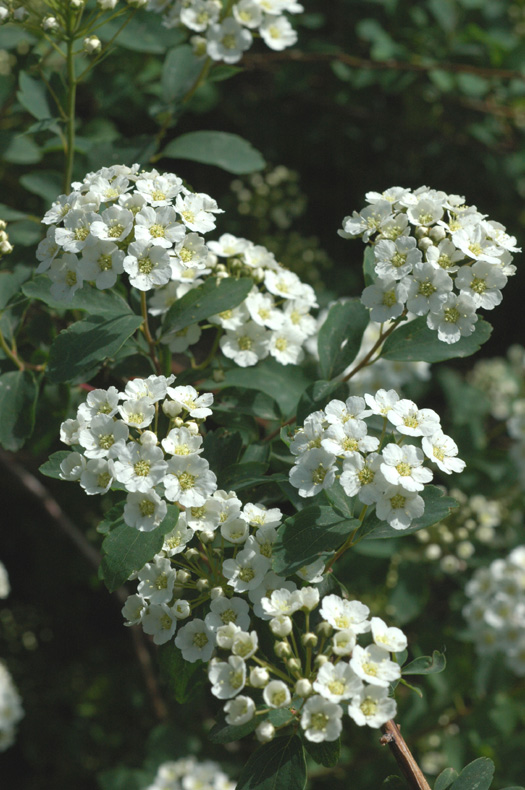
{"type": "Point", "coordinates": [188, 772]}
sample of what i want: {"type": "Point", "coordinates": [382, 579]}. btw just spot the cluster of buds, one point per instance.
{"type": "Point", "coordinates": [334, 443]}
{"type": "Point", "coordinates": [426, 244]}
{"type": "Point", "coordinates": [5, 246]}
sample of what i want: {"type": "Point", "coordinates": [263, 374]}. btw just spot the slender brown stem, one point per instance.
{"type": "Point", "coordinates": [277, 431]}
{"type": "Point", "coordinates": [379, 342]}
{"type": "Point", "coordinates": [34, 487]}
{"type": "Point", "coordinates": [148, 335]}
{"type": "Point", "coordinates": [266, 60]}
{"type": "Point", "coordinates": [403, 756]}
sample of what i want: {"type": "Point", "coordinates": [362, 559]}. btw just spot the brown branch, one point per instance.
{"type": "Point", "coordinates": [255, 61]}
{"type": "Point", "coordinates": [404, 757]}
{"type": "Point", "coordinates": [45, 499]}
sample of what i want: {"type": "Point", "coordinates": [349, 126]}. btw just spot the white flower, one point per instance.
{"type": "Point", "coordinates": [246, 571]}
{"type": "Point", "coordinates": [97, 476]}
{"type": "Point", "coordinates": [269, 583]}
{"type": "Point", "coordinates": [348, 439]}
{"type": "Point", "coordinates": [397, 258]}
{"type": "Point", "coordinates": [114, 224]}
{"type": "Point", "coordinates": [5, 588]}
{"type": "Point", "coordinates": [75, 234]}
{"type": "Point", "coordinates": [196, 641]}
{"type": "Point", "coordinates": [373, 664]}
{"type": "Point", "coordinates": [482, 282]}
{"type": "Point", "coordinates": [228, 610]}
{"type": "Point", "coordinates": [410, 420]}
{"type": "Point", "coordinates": [227, 678]}
{"type": "Point", "coordinates": [133, 609]}
{"type": "Point", "coordinates": [140, 468]}
{"type": "Point", "coordinates": [189, 480]}
{"type": "Point", "coordinates": [392, 639]}
{"type": "Point", "coordinates": [367, 222]}
{"type": "Point", "coordinates": [385, 298]}
{"type": "Point", "coordinates": [147, 265]}
{"type": "Point", "coordinates": [188, 398]}
{"type": "Point", "coordinates": [455, 318]}
{"type": "Point", "coordinates": [248, 13]}
{"type": "Point", "coordinates": [103, 437]}
{"type": "Point", "coordinates": [156, 581]}
{"type": "Point", "coordinates": [321, 720]}
{"type": "Point", "coordinates": [227, 41]}
{"type": "Point", "coordinates": [427, 289]}
{"type": "Point", "coordinates": [175, 541]}
{"type": "Point", "coordinates": [372, 706]}
{"type": "Point", "coordinates": [65, 277]}
{"type": "Point", "coordinates": [403, 466]}
{"type": "Point", "coordinates": [180, 441]}
{"type": "Point", "coordinates": [277, 33]}
{"type": "Point", "coordinates": [261, 308]}
{"type": "Point", "coordinates": [443, 450]}
{"type": "Point", "coordinates": [197, 211]}
{"type": "Point", "coordinates": [239, 711]}
{"type": "Point", "coordinates": [343, 642]}
{"type": "Point", "coordinates": [343, 614]}
{"type": "Point", "coordinates": [137, 413]}
{"type": "Point", "coordinates": [144, 511]}
{"type": "Point", "coordinates": [160, 621]}
{"type": "Point", "coordinates": [425, 212]}
{"type": "Point", "coordinates": [99, 401]}
{"type": "Point", "coordinates": [277, 694]}
{"type": "Point", "coordinates": [283, 283]}
{"type": "Point", "coordinates": [199, 14]}
{"type": "Point", "coordinates": [192, 252]}
{"type": "Point", "coordinates": [399, 507]}
{"type": "Point", "coordinates": [282, 601]}
{"type": "Point", "coordinates": [235, 531]}
{"type": "Point", "coordinates": [314, 471]}
{"type": "Point", "coordinates": [259, 516]}
{"type": "Point", "coordinates": [337, 682]}
{"type": "Point", "coordinates": [228, 245]}
{"type": "Point", "coordinates": [286, 345]}
{"type": "Point", "coordinates": [445, 256]}
{"type": "Point", "coordinates": [381, 402]}
{"type": "Point", "coordinates": [310, 435]}
{"type": "Point", "coordinates": [362, 477]}
{"type": "Point", "coordinates": [352, 409]}
{"type": "Point", "coordinates": [158, 190]}
{"type": "Point", "coordinates": [72, 466]}
{"type": "Point", "coordinates": [246, 345]}
{"type": "Point", "coordinates": [159, 226]}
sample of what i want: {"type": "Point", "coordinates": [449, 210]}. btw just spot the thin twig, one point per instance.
{"type": "Point", "coordinates": [404, 757]}
{"type": "Point", "coordinates": [34, 487]}
{"type": "Point", "coordinates": [265, 61]}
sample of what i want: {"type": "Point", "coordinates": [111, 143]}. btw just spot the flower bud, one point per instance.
{"type": "Point", "coordinates": [309, 639]}
{"type": "Point", "coordinates": [192, 427]}
{"type": "Point", "coordinates": [281, 625]}
{"type": "Point", "coordinates": [148, 439]}
{"type": "Point", "coordinates": [259, 677]}
{"type": "Point", "coordinates": [265, 732]}
{"type": "Point", "coordinates": [216, 592]}
{"type": "Point", "coordinates": [191, 553]}
{"type": "Point", "coordinates": [182, 609]}
{"type": "Point", "coordinates": [303, 687]}
{"type": "Point", "coordinates": [206, 536]}
{"type": "Point", "coordinates": [50, 23]}
{"type": "Point", "coordinates": [92, 44]}
{"type": "Point", "coordinates": [320, 660]}
{"type": "Point", "coordinates": [107, 5]}
{"type": "Point", "coordinates": [425, 244]}
{"type": "Point", "coordinates": [324, 629]}
{"type": "Point", "coordinates": [178, 422]}
{"type": "Point", "coordinates": [183, 576]}
{"type": "Point", "coordinates": [437, 234]}
{"type": "Point", "coordinates": [202, 584]}
{"type": "Point", "coordinates": [170, 408]}
{"type": "Point", "coordinates": [199, 45]}
{"type": "Point", "coordinates": [420, 232]}
{"type": "Point", "coordinates": [282, 649]}
{"type": "Point", "coordinates": [294, 665]}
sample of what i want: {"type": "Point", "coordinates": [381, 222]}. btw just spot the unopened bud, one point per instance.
{"type": "Point", "coordinates": [198, 44]}
{"type": "Point", "coordinates": [183, 576]}
{"type": "Point", "coordinates": [320, 660]}
{"type": "Point", "coordinates": [437, 233]}
{"type": "Point", "coordinates": [425, 244]}
{"type": "Point", "coordinates": [170, 408]}
{"type": "Point", "coordinates": [191, 553]}
{"type": "Point", "coordinates": [50, 23]}
{"type": "Point", "coordinates": [324, 629]}
{"type": "Point", "coordinates": [309, 639]}
{"type": "Point", "coordinates": [303, 687]}
{"type": "Point", "coordinates": [192, 427]}
{"type": "Point", "coordinates": [294, 665]}
{"type": "Point", "coordinates": [281, 625]}
{"type": "Point", "coordinates": [282, 649]}
{"type": "Point", "coordinates": [420, 232]}
{"type": "Point", "coordinates": [202, 584]}
{"type": "Point", "coordinates": [265, 732]}
{"type": "Point", "coordinates": [259, 677]}
{"type": "Point", "coordinates": [206, 536]}
{"type": "Point", "coordinates": [216, 592]}
{"type": "Point", "coordinates": [92, 44]}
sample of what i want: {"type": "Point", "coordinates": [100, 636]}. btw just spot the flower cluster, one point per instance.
{"type": "Point", "coordinates": [5, 246]}
{"type": "Point", "coordinates": [426, 244]}
{"type": "Point", "coordinates": [335, 443]}
{"type": "Point", "coordinates": [120, 219]}
{"type": "Point", "coordinates": [118, 449]}
{"type": "Point", "coordinates": [11, 710]}
{"type": "Point", "coordinates": [496, 612]}
{"type": "Point", "coordinates": [5, 587]}
{"type": "Point", "coordinates": [226, 36]}
{"type": "Point", "coordinates": [501, 380]}
{"type": "Point", "coordinates": [190, 774]}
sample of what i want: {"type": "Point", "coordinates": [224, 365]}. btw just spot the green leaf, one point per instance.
{"type": "Point", "coordinates": [475, 776]}
{"type": "Point", "coordinates": [426, 665]}
{"type": "Point", "coordinates": [308, 535]}
{"type": "Point", "coordinates": [325, 753]}
{"type": "Point", "coordinates": [126, 549]}
{"type": "Point", "coordinates": [339, 338]}
{"type": "Point", "coordinates": [18, 394]}
{"type": "Point", "coordinates": [105, 303]}
{"type": "Point", "coordinates": [339, 500]}
{"type": "Point", "coordinates": [415, 342]}
{"type": "Point", "coordinates": [437, 508]}
{"type": "Point", "coordinates": [369, 263]}
{"type": "Point", "coordinates": [47, 184]}
{"type": "Point", "coordinates": [221, 732]}
{"type": "Point", "coordinates": [221, 449]}
{"type": "Point", "coordinates": [394, 783]}
{"type": "Point", "coordinates": [277, 765]}
{"type": "Point", "coordinates": [51, 467]}
{"type": "Point", "coordinates": [239, 401]}
{"type": "Point", "coordinates": [284, 383]}
{"type": "Point", "coordinates": [243, 475]}
{"type": "Point", "coordinates": [141, 34]}
{"type": "Point", "coordinates": [222, 149]}
{"type": "Point", "coordinates": [223, 72]}
{"type": "Point", "coordinates": [88, 343]}
{"type": "Point", "coordinates": [317, 395]}
{"type": "Point", "coordinates": [11, 214]}
{"type": "Point", "coordinates": [32, 96]}
{"type": "Point", "coordinates": [179, 673]}
{"type": "Point", "coordinates": [212, 297]}
{"type": "Point", "coordinates": [180, 71]}
{"type": "Point", "coordinates": [445, 779]}
{"type": "Point", "coordinates": [22, 151]}
{"type": "Point", "coordinates": [11, 282]}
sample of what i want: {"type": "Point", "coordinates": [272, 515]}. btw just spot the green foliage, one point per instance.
{"type": "Point", "coordinates": [437, 507]}
{"type": "Point", "coordinates": [83, 347]}
{"type": "Point", "coordinates": [415, 341]}
{"type": "Point", "coordinates": [275, 765]}
{"type": "Point", "coordinates": [340, 337]}
{"type": "Point", "coordinates": [182, 677]}
{"type": "Point", "coordinates": [212, 297]}
{"type": "Point", "coordinates": [222, 149]}
{"type": "Point", "coordinates": [326, 753]}
{"type": "Point", "coordinates": [317, 395]}
{"type": "Point", "coordinates": [180, 70]}
{"type": "Point", "coordinates": [314, 532]}
{"type": "Point", "coordinates": [475, 776]}
{"type": "Point", "coordinates": [51, 468]}
{"type": "Point", "coordinates": [426, 665]}
{"type": "Point", "coordinates": [445, 779]}
{"type": "Point", "coordinates": [18, 395]}
{"type": "Point", "coordinates": [126, 549]}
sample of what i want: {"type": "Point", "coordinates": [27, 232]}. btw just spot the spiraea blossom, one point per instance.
{"type": "Point", "coordinates": [188, 772]}
{"type": "Point", "coordinates": [146, 227]}
{"type": "Point", "coordinates": [495, 612]}
{"type": "Point", "coordinates": [434, 256]}
{"type": "Point", "coordinates": [335, 443]}
{"type": "Point", "coordinates": [226, 35]}
{"type": "Point", "coordinates": [11, 711]}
